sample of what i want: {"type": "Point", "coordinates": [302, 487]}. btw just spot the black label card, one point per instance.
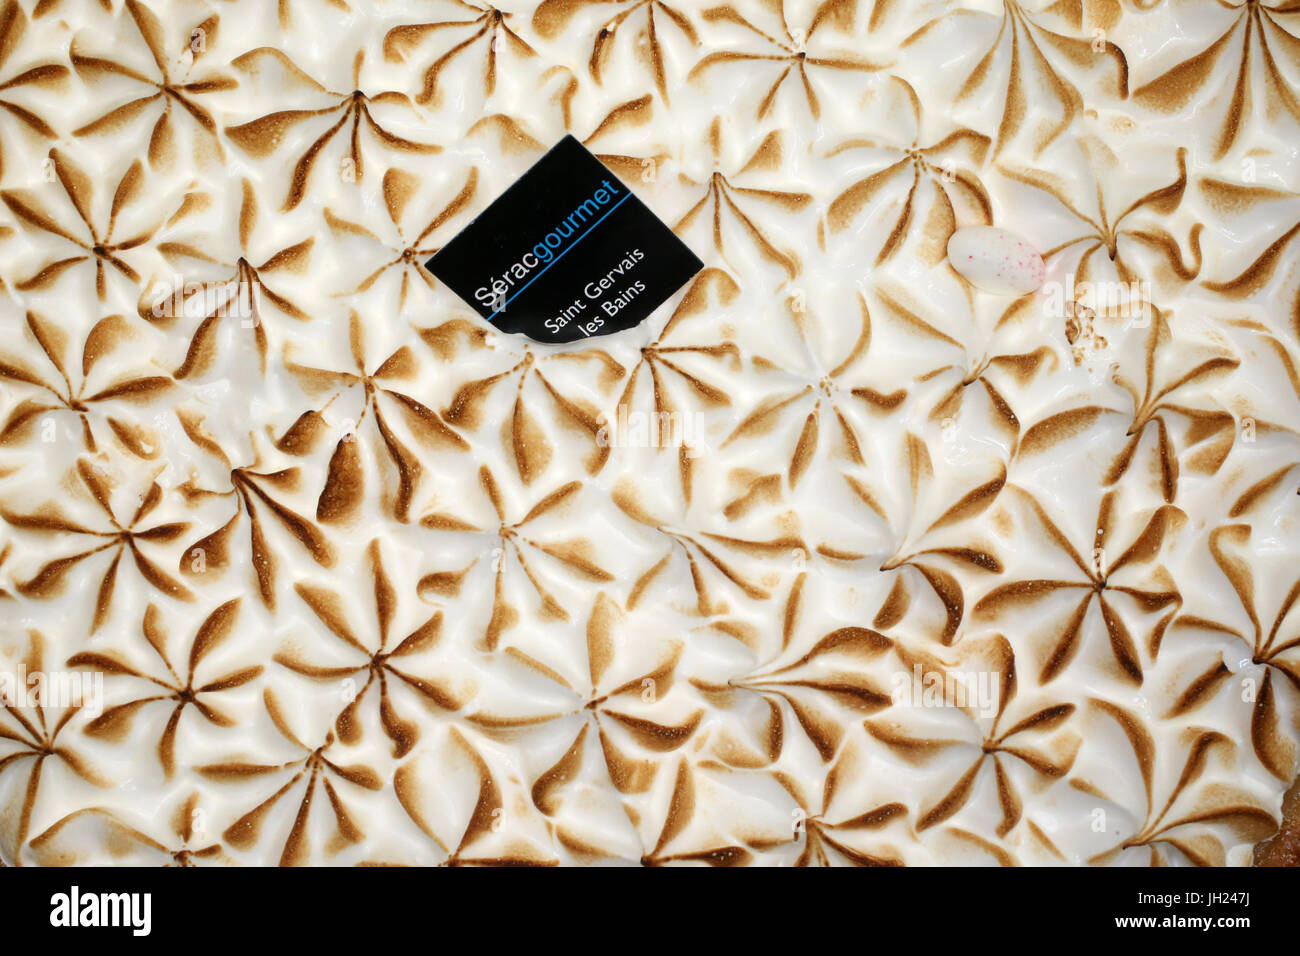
{"type": "Point", "coordinates": [565, 253]}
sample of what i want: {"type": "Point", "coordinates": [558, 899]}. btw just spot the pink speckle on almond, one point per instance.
{"type": "Point", "coordinates": [995, 260]}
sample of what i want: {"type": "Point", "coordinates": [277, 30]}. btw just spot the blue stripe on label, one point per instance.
{"type": "Point", "coordinates": [560, 256]}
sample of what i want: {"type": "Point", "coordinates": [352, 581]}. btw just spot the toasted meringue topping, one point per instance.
{"type": "Point", "coordinates": [832, 560]}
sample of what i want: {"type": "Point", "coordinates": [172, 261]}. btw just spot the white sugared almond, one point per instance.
{"type": "Point", "coordinates": [995, 260]}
